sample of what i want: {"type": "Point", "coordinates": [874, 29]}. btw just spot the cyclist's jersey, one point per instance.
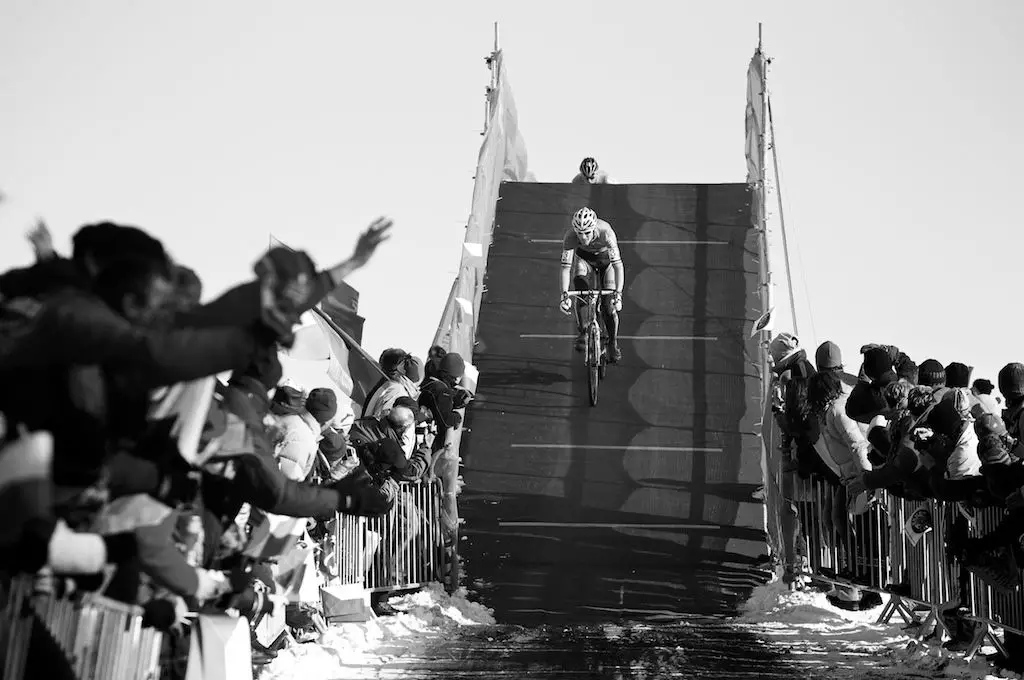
{"type": "Point", "coordinates": [600, 177]}
{"type": "Point", "coordinates": [603, 249]}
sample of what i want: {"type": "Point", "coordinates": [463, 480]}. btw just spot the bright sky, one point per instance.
{"type": "Point", "coordinates": [214, 124]}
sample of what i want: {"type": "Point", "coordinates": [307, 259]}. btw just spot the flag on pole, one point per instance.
{"type": "Point", "coordinates": [754, 123]}
{"type": "Point", "coordinates": [273, 535]}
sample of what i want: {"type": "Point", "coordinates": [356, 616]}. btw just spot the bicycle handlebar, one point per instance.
{"type": "Point", "coordinates": [588, 293]}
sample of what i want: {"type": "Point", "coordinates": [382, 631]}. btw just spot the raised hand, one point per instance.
{"type": "Point", "coordinates": [370, 239]}
{"type": "Point", "coordinates": [41, 240]}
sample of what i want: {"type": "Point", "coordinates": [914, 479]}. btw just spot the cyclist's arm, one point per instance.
{"type": "Point", "coordinates": [567, 256]}
{"type": "Point", "coordinates": [616, 261]}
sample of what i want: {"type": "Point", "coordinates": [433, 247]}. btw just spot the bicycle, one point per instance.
{"type": "Point", "coordinates": [595, 355]}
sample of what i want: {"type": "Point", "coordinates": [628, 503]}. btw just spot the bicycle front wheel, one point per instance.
{"type": "Point", "coordinates": [594, 365]}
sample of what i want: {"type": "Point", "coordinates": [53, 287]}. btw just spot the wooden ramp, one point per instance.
{"type": "Point", "coordinates": [646, 503]}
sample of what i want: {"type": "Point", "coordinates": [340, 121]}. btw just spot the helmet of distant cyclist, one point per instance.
{"type": "Point", "coordinates": [588, 168]}
{"type": "Point", "coordinates": [584, 222]}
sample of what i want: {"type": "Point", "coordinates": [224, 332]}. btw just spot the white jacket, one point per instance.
{"type": "Point", "coordinates": [843, 444]}
{"type": "Point", "coordinates": [296, 450]}
{"type": "Point", "coordinates": [384, 398]}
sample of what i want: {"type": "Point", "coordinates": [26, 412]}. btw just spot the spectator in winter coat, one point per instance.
{"type": "Point", "coordinates": [335, 459]}
{"type": "Point", "coordinates": [982, 390]}
{"type": "Point", "coordinates": [791, 372]}
{"type": "Point", "coordinates": [828, 357]}
{"type": "Point", "coordinates": [866, 401]}
{"type": "Point", "coordinates": [1011, 385]}
{"type": "Point", "coordinates": [258, 480]}
{"type": "Point", "coordinates": [843, 443]}
{"type": "Point", "coordinates": [95, 388]}
{"type": "Point", "coordinates": [302, 428]}
{"type": "Point", "coordinates": [403, 373]}
{"type": "Point", "coordinates": [433, 362]}
{"type": "Point", "coordinates": [443, 397]}
{"type": "Point", "coordinates": [954, 444]}
{"type": "Point", "coordinates": [379, 443]}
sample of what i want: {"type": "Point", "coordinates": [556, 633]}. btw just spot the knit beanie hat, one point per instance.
{"type": "Point", "coordinates": [931, 373]}
{"type": "Point", "coordinates": [322, 404]}
{"type": "Point", "coordinates": [454, 365]}
{"type": "Point", "coordinates": [782, 345]}
{"type": "Point", "coordinates": [958, 375]}
{"type": "Point", "coordinates": [1011, 380]}
{"type": "Point", "coordinates": [287, 401]}
{"type": "Point", "coordinates": [828, 357]}
{"type": "Point", "coordinates": [877, 363]}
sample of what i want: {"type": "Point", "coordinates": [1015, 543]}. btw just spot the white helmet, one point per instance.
{"type": "Point", "coordinates": [584, 221]}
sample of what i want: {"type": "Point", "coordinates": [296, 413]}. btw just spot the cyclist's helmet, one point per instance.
{"type": "Point", "coordinates": [588, 168]}
{"type": "Point", "coordinates": [584, 222]}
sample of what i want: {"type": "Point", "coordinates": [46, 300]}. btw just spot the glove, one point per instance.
{"type": "Point", "coordinates": [617, 301]}
{"type": "Point", "coordinates": [566, 304]}
{"type": "Point", "coordinates": [359, 495]}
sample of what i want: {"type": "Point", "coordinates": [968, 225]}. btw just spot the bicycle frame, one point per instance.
{"type": "Point", "coordinates": [595, 353]}
{"type": "Point", "coordinates": [591, 297]}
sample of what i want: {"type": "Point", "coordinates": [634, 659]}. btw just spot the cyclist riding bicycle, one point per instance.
{"type": "Point", "coordinates": [592, 243]}
{"type": "Point", "coordinates": [590, 174]}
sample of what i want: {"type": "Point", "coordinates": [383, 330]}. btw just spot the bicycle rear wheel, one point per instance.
{"type": "Point", "coordinates": [593, 361]}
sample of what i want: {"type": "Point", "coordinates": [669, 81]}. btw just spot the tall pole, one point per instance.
{"type": "Point", "coordinates": [782, 219]}
{"type": "Point", "coordinates": [766, 272]}
{"type": "Point", "coordinates": [493, 66]}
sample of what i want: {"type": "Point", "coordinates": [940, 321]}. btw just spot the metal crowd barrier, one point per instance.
{"type": "Point", "coordinates": [99, 639]}
{"type": "Point", "coordinates": [905, 543]}
{"type": "Point", "coordinates": [403, 549]}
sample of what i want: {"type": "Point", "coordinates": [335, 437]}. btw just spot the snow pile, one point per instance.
{"type": "Point", "coordinates": [353, 650]}
{"type": "Point", "coordinates": [811, 631]}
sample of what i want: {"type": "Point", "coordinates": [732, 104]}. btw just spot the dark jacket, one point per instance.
{"type": "Point", "coordinates": [380, 450]}
{"type": "Point", "coordinates": [76, 365]}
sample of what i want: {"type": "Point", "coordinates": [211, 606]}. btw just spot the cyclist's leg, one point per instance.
{"type": "Point", "coordinates": [581, 281]}
{"type": "Point", "coordinates": [611, 317]}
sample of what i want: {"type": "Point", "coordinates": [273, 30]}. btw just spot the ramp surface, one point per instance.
{"type": "Point", "coordinates": [643, 505]}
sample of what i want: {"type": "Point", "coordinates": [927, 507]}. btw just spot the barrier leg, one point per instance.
{"type": "Point", "coordinates": [896, 605]}
{"type": "Point", "coordinates": [983, 631]}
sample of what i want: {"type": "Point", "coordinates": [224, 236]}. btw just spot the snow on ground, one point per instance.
{"type": "Point", "coordinates": [809, 631]}
{"type": "Point", "coordinates": [355, 650]}
{"type": "Point", "coordinates": [850, 644]}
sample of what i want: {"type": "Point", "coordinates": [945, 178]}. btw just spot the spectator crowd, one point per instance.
{"type": "Point", "coordinates": [149, 448]}
{"type": "Point", "coordinates": [916, 431]}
